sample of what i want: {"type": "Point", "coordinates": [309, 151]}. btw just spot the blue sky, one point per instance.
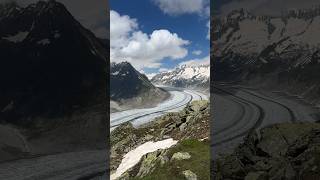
{"type": "Point", "coordinates": [189, 23]}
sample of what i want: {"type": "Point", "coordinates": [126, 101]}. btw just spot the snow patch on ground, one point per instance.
{"type": "Point", "coordinates": [8, 107]}
{"type": "Point", "coordinates": [44, 42]}
{"type": "Point", "coordinates": [93, 52]}
{"type": "Point", "coordinates": [134, 156]}
{"type": "Point", "coordinates": [57, 35]}
{"type": "Point", "coordinates": [19, 37]}
{"type": "Point", "coordinates": [115, 73]}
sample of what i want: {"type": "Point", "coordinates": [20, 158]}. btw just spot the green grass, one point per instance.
{"type": "Point", "coordinates": [199, 163]}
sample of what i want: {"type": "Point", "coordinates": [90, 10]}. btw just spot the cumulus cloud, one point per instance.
{"type": "Point", "coordinates": [197, 52]}
{"type": "Point", "coordinates": [120, 28]}
{"type": "Point", "coordinates": [178, 7]}
{"type": "Point", "coordinates": [142, 50]}
{"type": "Point", "coordinates": [197, 62]}
{"type": "Point", "coordinates": [91, 14]}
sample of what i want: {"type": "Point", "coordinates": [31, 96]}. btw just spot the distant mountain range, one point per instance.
{"type": "Point", "coordinates": [197, 76]}
{"type": "Point", "coordinates": [280, 52]}
{"type": "Point", "coordinates": [129, 87]}
{"type": "Point", "coordinates": [52, 74]}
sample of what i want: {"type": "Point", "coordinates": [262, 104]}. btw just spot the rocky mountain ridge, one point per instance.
{"type": "Point", "coordinates": [130, 88]}
{"type": "Point", "coordinates": [273, 52]}
{"type": "Point", "coordinates": [127, 82]}
{"type": "Point", "coordinates": [195, 76]}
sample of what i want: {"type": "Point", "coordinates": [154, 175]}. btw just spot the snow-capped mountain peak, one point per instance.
{"type": "Point", "coordinates": [246, 34]}
{"type": "Point", "coordinates": [189, 72]}
{"type": "Point", "coordinates": [184, 76]}
{"type": "Point", "coordinates": [269, 50]}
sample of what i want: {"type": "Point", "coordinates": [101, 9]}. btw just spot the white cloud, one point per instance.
{"type": "Point", "coordinates": [120, 28]}
{"type": "Point", "coordinates": [178, 7]}
{"type": "Point", "coordinates": [141, 49]}
{"type": "Point", "coordinates": [197, 52]}
{"type": "Point", "coordinates": [196, 62]}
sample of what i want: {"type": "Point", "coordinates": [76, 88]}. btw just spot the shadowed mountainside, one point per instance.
{"type": "Point", "coordinates": [131, 89]}
{"type": "Point", "coordinates": [53, 80]}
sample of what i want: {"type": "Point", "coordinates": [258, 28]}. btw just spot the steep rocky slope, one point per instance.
{"type": "Point", "coordinates": [130, 88]}
{"type": "Point", "coordinates": [53, 80]}
{"type": "Point", "coordinates": [282, 151]}
{"type": "Point", "coordinates": [190, 126]}
{"type": "Point", "coordinates": [274, 52]}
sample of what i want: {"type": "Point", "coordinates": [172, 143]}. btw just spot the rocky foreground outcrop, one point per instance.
{"type": "Point", "coordinates": [192, 163]}
{"type": "Point", "coordinates": [189, 159]}
{"type": "Point", "coordinates": [283, 151]}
